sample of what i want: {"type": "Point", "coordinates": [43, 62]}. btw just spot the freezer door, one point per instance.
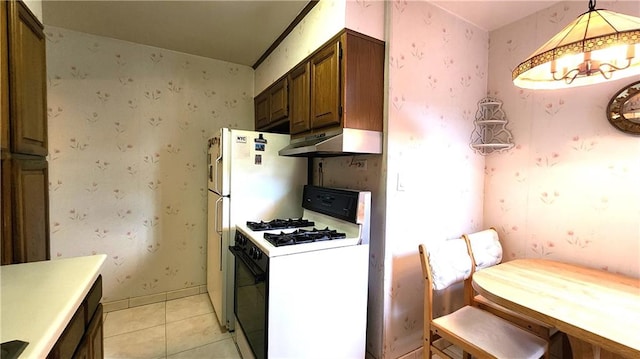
{"type": "Point", "coordinates": [264, 185]}
{"type": "Point", "coordinates": [219, 163]}
{"type": "Point", "coordinates": [217, 254]}
{"type": "Point", "coordinates": [212, 151]}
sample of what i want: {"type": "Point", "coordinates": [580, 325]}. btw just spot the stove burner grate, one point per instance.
{"type": "Point", "coordinates": [279, 224]}
{"type": "Point", "coordinates": [303, 236]}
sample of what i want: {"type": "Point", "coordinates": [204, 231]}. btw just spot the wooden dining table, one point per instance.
{"type": "Point", "coordinates": [598, 310]}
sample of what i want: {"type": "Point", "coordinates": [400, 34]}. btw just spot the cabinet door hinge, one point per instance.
{"type": "Point", "coordinates": [340, 50]}
{"type": "Point", "coordinates": [340, 111]}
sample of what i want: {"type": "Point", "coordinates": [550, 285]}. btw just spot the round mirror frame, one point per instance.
{"type": "Point", "coordinates": [615, 113]}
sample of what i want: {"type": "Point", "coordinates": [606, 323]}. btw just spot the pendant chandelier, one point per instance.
{"type": "Point", "coordinates": [598, 46]}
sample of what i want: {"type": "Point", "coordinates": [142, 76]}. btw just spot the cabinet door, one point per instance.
{"type": "Point", "coordinates": [4, 78]}
{"type": "Point", "coordinates": [261, 104]}
{"type": "Point", "coordinates": [7, 211]}
{"type": "Point", "coordinates": [278, 101]}
{"type": "Point", "coordinates": [325, 87]}
{"type": "Point", "coordinates": [82, 351]}
{"type": "Point", "coordinates": [299, 98]}
{"type": "Point", "coordinates": [94, 335]}
{"type": "Point", "coordinates": [31, 210]}
{"type": "Point", "coordinates": [27, 85]}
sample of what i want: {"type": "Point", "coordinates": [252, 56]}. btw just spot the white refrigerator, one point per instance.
{"type": "Point", "coordinates": [248, 181]}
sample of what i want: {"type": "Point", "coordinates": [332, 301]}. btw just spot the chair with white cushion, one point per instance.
{"type": "Point", "coordinates": [477, 332]}
{"type": "Point", "coordinates": [486, 251]}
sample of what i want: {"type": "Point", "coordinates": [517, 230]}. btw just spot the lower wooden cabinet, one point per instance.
{"type": "Point", "coordinates": [25, 209]}
{"type": "Point", "coordinates": [83, 336]}
{"type": "Point", "coordinates": [91, 346]}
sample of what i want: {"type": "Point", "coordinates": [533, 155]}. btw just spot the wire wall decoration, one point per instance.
{"type": "Point", "coordinates": [490, 133]}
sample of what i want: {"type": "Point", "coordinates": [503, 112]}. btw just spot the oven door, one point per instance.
{"type": "Point", "coordinates": [250, 301]}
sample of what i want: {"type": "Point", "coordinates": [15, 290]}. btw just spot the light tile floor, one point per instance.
{"type": "Point", "coordinates": [181, 328]}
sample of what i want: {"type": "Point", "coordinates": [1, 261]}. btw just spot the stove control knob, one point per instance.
{"type": "Point", "coordinates": [242, 240]}
{"type": "Point", "coordinates": [258, 255]}
{"type": "Point", "coordinates": [252, 252]}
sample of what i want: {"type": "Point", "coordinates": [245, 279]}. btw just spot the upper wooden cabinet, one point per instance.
{"type": "Point", "coordinates": [346, 86]}
{"type": "Point", "coordinates": [341, 85]}
{"type": "Point", "coordinates": [279, 101]}
{"type": "Point", "coordinates": [4, 78]}
{"type": "Point", "coordinates": [272, 106]}
{"type": "Point", "coordinates": [261, 103]}
{"type": "Point", "coordinates": [24, 61]}
{"type": "Point", "coordinates": [299, 97]}
{"type": "Point", "coordinates": [325, 86]}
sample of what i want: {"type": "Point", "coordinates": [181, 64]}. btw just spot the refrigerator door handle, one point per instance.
{"type": "Point", "coordinates": [215, 179]}
{"type": "Point", "coordinates": [217, 227]}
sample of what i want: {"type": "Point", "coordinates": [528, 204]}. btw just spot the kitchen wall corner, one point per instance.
{"type": "Point", "coordinates": [128, 125]}
{"type": "Point", "coordinates": [438, 66]}
{"type": "Point", "coordinates": [569, 189]}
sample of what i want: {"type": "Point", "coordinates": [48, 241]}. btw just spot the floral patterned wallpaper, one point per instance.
{"type": "Point", "coordinates": [437, 74]}
{"type": "Point", "coordinates": [556, 194]}
{"type": "Point", "coordinates": [128, 126]}
{"type": "Point", "coordinates": [325, 20]}
{"type": "Point", "coordinates": [432, 103]}
{"type": "Point", "coordinates": [569, 189]}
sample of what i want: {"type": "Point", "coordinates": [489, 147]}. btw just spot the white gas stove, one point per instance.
{"type": "Point", "coordinates": [300, 281]}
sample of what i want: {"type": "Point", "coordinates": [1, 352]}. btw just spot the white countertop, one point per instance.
{"type": "Point", "coordinates": [39, 299]}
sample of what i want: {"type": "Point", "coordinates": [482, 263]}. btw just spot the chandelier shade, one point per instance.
{"type": "Point", "coordinates": [598, 46]}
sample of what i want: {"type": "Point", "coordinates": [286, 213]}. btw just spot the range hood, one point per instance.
{"type": "Point", "coordinates": [341, 142]}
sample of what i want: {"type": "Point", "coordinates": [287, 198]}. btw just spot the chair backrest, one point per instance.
{"type": "Point", "coordinates": [449, 263]}
{"type": "Point", "coordinates": [444, 264]}
{"type": "Point", "coordinates": [486, 250]}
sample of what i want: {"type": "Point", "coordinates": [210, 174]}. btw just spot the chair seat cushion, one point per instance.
{"type": "Point", "coordinates": [480, 299]}
{"type": "Point", "coordinates": [495, 335]}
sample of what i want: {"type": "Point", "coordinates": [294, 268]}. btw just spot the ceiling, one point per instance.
{"type": "Point", "coordinates": [237, 31]}
{"type": "Point", "coordinates": [491, 15]}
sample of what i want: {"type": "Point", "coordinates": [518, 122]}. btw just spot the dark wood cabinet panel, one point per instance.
{"type": "Point", "coordinates": [30, 185]}
{"type": "Point", "coordinates": [91, 346]}
{"type": "Point", "coordinates": [4, 78]}
{"type": "Point", "coordinates": [346, 82]}
{"type": "Point", "coordinates": [7, 211]}
{"type": "Point", "coordinates": [25, 209]}
{"type": "Point", "coordinates": [27, 81]}
{"type": "Point", "coordinates": [71, 336]}
{"type": "Point", "coordinates": [272, 106]}
{"type": "Point", "coordinates": [362, 82]}
{"type": "Point", "coordinates": [261, 103]}
{"type": "Point", "coordinates": [341, 85]}
{"type": "Point", "coordinates": [95, 335]}
{"type": "Point", "coordinates": [278, 101]}
{"type": "Point", "coordinates": [299, 96]}
{"type": "Point", "coordinates": [325, 87]}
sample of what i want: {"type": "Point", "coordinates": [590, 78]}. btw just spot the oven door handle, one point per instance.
{"type": "Point", "coordinates": [258, 274]}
